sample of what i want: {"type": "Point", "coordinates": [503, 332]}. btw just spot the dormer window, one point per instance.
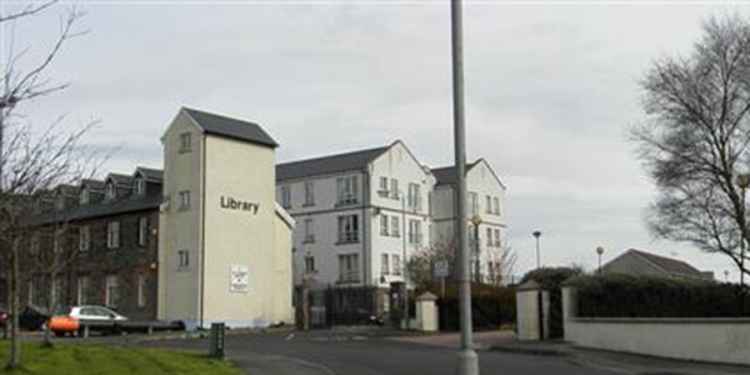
{"type": "Point", "coordinates": [110, 190]}
{"type": "Point", "coordinates": [140, 185]}
{"type": "Point", "coordinates": [84, 198]}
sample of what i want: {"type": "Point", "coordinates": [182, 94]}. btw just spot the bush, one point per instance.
{"type": "Point", "coordinates": [626, 296]}
{"type": "Point", "coordinates": [492, 306]}
{"type": "Point", "coordinates": [551, 280]}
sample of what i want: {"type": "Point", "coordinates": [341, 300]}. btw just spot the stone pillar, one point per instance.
{"type": "Point", "coordinates": [427, 313]}
{"type": "Point", "coordinates": [532, 312]}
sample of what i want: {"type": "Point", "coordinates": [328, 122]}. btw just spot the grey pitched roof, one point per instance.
{"type": "Point", "coordinates": [121, 179]}
{"type": "Point", "coordinates": [233, 128]}
{"type": "Point", "coordinates": [123, 205]}
{"type": "Point", "coordinates": [150, 174]}
{"type": "Point", "coordinates": [328, 164]}
{"type": "Point", "coordinates": [669, 265]}
{"type": "Point", "coordinates": [447, 175]}
{"type": "Point", "coordinates": [93, 184]}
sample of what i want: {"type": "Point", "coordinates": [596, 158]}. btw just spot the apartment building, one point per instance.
{"type": "Point", "coordinates": [361, 214]}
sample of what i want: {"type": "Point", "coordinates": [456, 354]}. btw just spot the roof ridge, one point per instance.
{"type": "Point", "coordinates": [348, 153]}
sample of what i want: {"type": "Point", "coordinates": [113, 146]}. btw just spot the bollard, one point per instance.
{"type": "Point", "coordinates": [216, 341]}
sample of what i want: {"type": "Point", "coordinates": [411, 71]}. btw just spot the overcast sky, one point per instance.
{"type": "Point", "coordinates": [551, 89]}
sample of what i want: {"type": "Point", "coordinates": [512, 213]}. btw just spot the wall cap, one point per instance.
{"type": "Point", "coordinates": [529, 285]}
{"type": "Point", "coordinates": [663, 320]}
{"type": "Point", "coordinates": [427, 296]}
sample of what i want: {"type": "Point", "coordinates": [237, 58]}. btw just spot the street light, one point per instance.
{"type": "Point", "coordinates": [536, 235]}
{"type": "Point", "coordinates": [600, 251]}
{"type": "Point", "coordinates": [476, 221]}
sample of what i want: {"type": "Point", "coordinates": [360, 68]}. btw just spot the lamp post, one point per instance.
{"type": "Point", "coordinates": [468, 362]}
{"type": "Point", "coordinates": [536, 235]}
{"type": "Point", "coordinates": [476, 221]}
{"type": "Point", "coordinates": [403, 260]}
{"type": "Point", "coordinates": [599, 252]}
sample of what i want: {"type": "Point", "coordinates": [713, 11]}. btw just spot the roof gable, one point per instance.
{"type": "Point", "coordinates": [215, 124]}
{"type": "Point", "coordinates": [328, 164]}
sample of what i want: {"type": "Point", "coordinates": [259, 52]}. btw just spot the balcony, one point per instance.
{"type": "Point", "coordinates": [348, 277]}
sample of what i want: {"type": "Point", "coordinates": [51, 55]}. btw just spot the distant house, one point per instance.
{"type": "Point", "coordinates": [640, 263]}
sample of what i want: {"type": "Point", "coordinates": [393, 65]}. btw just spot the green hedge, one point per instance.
{"type": "Point", "coordinates": [615, 295]}
{"type": "Point", "coordinates": [492, 306]}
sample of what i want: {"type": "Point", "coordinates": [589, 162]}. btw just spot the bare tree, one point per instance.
{"type": "Point", "coordinates": [32, 162]}
{"type": "Point", "coordinates": [694, 143]}
{"type": "Point", "coordinates": [500, 265]}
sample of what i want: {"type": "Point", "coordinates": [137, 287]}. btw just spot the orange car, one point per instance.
{"type": "Point", "coordinates": [68, 320]}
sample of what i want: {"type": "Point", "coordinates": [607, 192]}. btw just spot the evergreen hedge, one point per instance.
{"type": "Point", "coordinates": [626, 296]}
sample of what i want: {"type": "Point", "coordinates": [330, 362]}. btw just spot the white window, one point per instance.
{"type": "Point", "coordinates": [395, 226]}
{"type": "Point", "coordinates": [84, 238]}
{"type": "Point", "coordinates": [384, 266]}
{"type": "Point", "coordinates": [309, 193]}
{"type": "Point", "coordinates": [347, 190]}
{"type": "Point", "coordinates": [497, 205]}
{"type": "Point", "coordinates": [112, 291]}
{"type": "Point", "coordinates": [396, 264]}
{"type": "Point", "coordinates": [82, 290]}
{"type": "Point", "coordinates": [489, 237]}
{"type": "Point", "coordinates": [140, 185]}
{"type": "Point", "coordinates": [414, 199]}
{"type": "Point", "coordinates": [309, 264]}
{"type": "Point", "coordinates": [394, 188]}
{"type": "Point", "coordinates": [348, 229]}
{"type": "Point", "coordinates": [473, 204]}
{"type": "Point", "coordinates": [183, 259]}
{"type": "Point", "coordinates": [142, 231]}
{"type": "Point", "coordinates": [141, 290]}
{"type": "Point", "coordinates": [415, 231]}
{"type": "Point", "coordinates": [84, 198]}
{"type": "Point", "coordinates": [286, 197]}
{"type": "Point", "coordinates": [111, 191]}
{"type": "Point", "coordinates": [185, 200]}
{"type": "Point", "coordinates": [488, 205]}
{"type": "Point", "coordinates": [383, 191]}
{"type": "Point", "coordinates": [185, 142]}
{"type": "Point", "coordinates": [349, 268]}
{"type": "Point", "coordinates": [384, 225]}
{"type": "Point", "coordinates": [113, 234]}
{"type": "Point", "coordinates": [497, 238]}
{"type": "Point", "coordinates": [309, 231]}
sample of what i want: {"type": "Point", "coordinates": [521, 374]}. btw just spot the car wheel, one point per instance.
{"type": "Point", "coordinates": [59, 334]}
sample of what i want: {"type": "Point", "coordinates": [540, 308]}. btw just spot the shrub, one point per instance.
{"type": "Point", "coordinates": [492, 306]}
{"type": "Point", "coordinates": [619, 295]}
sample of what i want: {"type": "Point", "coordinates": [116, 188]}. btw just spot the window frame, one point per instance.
{"type": "Point", "coordinates": [309, 193]}
{"type": "Point", "coordinates": [352, 234]}
{"type": "Point", "coordinates": [143, 229]}
{"type": "Point", "coordinates": [185, 200]}
{"type": "Point", "coordinates": [113, 234]}
{"type": "Point", "coordinates": [186, 142]}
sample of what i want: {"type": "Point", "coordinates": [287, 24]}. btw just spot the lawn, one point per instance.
{"type": "Point", "coordinates": [82, 359]}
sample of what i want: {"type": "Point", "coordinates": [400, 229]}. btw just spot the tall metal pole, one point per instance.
{"type": "Point", "coordinates": [403, 261]}
{"type": "Point", "coordinates": [468, 362]}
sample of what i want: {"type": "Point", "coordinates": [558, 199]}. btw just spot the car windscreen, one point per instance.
{"type": "Point", "coordinates": [63, 310]}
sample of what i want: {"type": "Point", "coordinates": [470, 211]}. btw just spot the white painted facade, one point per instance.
{"type": "Point", "coordinates": [390, 225]}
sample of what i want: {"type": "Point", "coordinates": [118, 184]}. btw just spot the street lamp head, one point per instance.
{"type": "Point", "coordinates": [476, 220]}
{"type": "Point", "coordinates": [600, 250]}
{"type": "Point", "coordinates": [536, 233]}
{"type": "Point", "coordinates": [743, 180]}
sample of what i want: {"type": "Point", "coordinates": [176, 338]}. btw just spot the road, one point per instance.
{"type": "Point", "coordinates": [277, 354]}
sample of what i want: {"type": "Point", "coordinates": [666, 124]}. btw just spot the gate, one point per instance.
{"type": "Point", "coordinates": [350, 305]}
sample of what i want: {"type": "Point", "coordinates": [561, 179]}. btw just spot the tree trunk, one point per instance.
{"type": "Point", "coordinates": [14, 359]}
{"type": "Point", "coordinates": [50, 305]}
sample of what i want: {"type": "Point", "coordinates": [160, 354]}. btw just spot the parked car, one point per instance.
{"type": "Point", "coordinates": [71, 319]}
{"type": "Point", "coordinates": [33, 317]}
{"type": "Point", "coordinates": [4, 315]}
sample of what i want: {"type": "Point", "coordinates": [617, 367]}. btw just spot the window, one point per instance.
{"type": "Point", "coordinates": [111, 191]}
{"type": "Point", "coordinates": [347, 190]}
{"type": "Point", "coordinates": [82, 290]}
{"type": "Point", "coordinates": [142, 231]}
{"type": "Point", "coordinates": [57, 242]}
{"type": "Point", "coordinates": [35, 244]}
{"type": "Point", "coordinates": [348, 229]}
{"type": "Point", "coordinates": [349, 268]}
{"type": "Point", "coordinates": [184, 200]}
{"type": "Point", "coordinates": [309, 193]}
{"type": "Point", "coordinates": [395, 226]}
{"type": "Point", "coordinates": [473, 204]}
{"type": "Point", "coordinates": [394, 188]}
{"type": "Point", "coordinates": [183, 259]}
{"type": "Point", "coordinates": [383, 192]}
{"type": "Point", "coordinates": [489, 237]}
{"type": "Point", "coordinates": [309, 231]}
{"type": "Point", "coordinates": [414, 199]}
{"type": "Point", "coordinates": [111, 291]}
{"type": "Point", "coordinates": [84, 238]}
{"type": "Point", "coordinates": [140, 185]}
{"type": "Point", "coordinates": [496, 200]}
{"type": "Point", "coordinates": [415, 232]}
{"type": "Point", "coordinates": [141, 290]}
{"type": "Point", "coordinates": [497, 238]}
{"type": "Point", "coordinates": [309, 264]}
{"type": "Point", "coordinates": [488, 205]}
{"type": "Point", "coordinates": [84, 198]}
{"type": "Point", "coordinates": [384, 225]}
{"type": "Point", "coordinates": [185, 142]}
{"type": "Point", "coordinates": [286, 197]}
{"type": "Point", "coordinates": [396, 264]}
{"type": "Point", "coordinates": [384, 266]}
{"type": "Point", "coordinates": [113, 234]}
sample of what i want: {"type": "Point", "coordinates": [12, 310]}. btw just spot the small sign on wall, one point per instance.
{"type": "Point", "coordinates": [239, 279]}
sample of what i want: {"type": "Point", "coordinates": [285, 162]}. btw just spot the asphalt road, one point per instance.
{"type": "Point", "coordinates": [274, 354]}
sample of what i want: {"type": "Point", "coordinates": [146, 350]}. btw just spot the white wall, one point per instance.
{"type": "Point", "coordinates": [713, 340]}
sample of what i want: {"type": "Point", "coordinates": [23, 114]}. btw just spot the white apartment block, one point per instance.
{"type": "Point", "coordinates": [359, 214]}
